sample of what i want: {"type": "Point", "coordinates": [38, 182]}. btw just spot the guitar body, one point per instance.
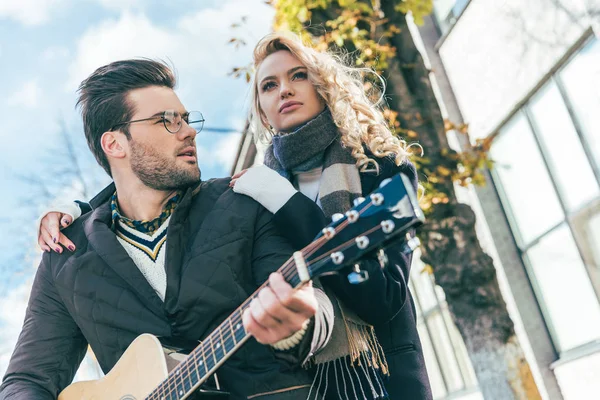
{"type": "Point", "coordinates": [139, 370]}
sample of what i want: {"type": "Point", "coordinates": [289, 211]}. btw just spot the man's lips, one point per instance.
{"type": "Point", "coordinates": [289, 106]}
{"type": "Point", "coordinates": [189, 153]}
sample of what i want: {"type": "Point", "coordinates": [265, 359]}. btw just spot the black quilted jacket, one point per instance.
{"type": "Point", "coordinates": [220, 247]}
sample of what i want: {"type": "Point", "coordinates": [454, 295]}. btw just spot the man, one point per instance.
{"type": "Point", "coordinates": [130, 275]}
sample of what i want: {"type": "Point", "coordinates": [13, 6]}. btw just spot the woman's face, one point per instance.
{"type": "Point", "coordinates": [286, 96]}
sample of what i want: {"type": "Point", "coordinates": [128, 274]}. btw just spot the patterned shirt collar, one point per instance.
{"type": "Point", "coordinates": [147, 227]}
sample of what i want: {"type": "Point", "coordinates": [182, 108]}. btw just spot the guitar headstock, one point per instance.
{"type": "Point", "coordinates": [374, 222]}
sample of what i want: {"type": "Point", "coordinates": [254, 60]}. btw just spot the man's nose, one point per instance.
{"type": "Point", "coordinates": [186, 131]}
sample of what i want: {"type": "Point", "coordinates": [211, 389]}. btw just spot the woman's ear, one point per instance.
{"type": "Point", "coordinates": [112, 144]}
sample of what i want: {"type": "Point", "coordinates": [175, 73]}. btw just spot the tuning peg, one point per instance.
{"type": "Point", "coordinates": [352, 216]}
{"type": "Point", "coordinates": [337, 257]}
{"type": "Point", "coordinates": [387, 226]}
{"type": "Point", "coordinates": [382, 258]}
{"type": "Point", "coordinates": [412, 242]}
{"type": "Point", "coordinates": [357, 275]}
{"type": "Point", "coordinates": [328, 232]}
{"type": "Point", "coordinates": [377, 199]}
{"type": "Point", "coordinates": [336, 217]}
{"type": "Point", "coordinates": [385, 182]}
{"type": "Point", "coordinates": [358, 200]}
{"type": "Point", "coordinates": [362, 242]}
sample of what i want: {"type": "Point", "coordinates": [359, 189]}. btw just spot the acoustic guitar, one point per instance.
{"type": "Point", "coordinates": [386, 215]}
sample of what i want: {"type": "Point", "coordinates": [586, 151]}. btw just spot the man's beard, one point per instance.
{"type": "Point", "coordinates": [159, 172]}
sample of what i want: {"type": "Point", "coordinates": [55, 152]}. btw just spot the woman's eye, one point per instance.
{"type": "Point", "coordinates": [300, 75]}
{"type": "Point", "coordinates": [161, 120]}
{"type": "Point", "coordinates": [268, 86]}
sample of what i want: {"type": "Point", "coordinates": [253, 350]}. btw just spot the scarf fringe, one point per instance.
{"type": "Point", "coordinates": [348, 380]}
{"type": "Point", "coordinates": [361, 340]}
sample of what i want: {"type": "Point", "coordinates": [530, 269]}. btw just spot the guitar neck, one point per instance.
{"type": "Point", "coordinates": [205, 359]}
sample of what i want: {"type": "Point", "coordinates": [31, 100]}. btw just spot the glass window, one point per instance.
{"type": "Point", "coordinates": [448, 364]}
{"type": "Point", "coordinates": [581, 80]}
{"type": "Point", "coordinates": [447, 12]}
{"type": "Point", "coordinates": [586, 230]}
{"type": "Point", "coordinates": [525, 183]}
{"type": "Point", "coordinates": [438, 387]}
{"type": "Point", "coordinates": [445, 352]}
{"type": "Point", "coordinates": [564, 151]}
{"type": "Point", "coordinates": [559, 233]}
{"type": "Point", "coordinates": [563, 285]}
{"type": "Point", "coordinates": [424, 283]}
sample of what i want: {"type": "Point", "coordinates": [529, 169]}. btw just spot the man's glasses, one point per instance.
{"type": "Point", "coordinates": [172, 120]}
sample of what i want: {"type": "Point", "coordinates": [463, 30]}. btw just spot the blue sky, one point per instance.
{"type": "Point", "coordinates": [48, 46]}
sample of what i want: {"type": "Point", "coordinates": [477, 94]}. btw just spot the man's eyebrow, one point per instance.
{"type": "Point", "coordinates": [160, 113]}
{"type": "Point", "coordinates": [291, 71]}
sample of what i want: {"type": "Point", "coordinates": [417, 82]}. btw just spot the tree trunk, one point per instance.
{"type": "Point", "coordinates": [449, 240]}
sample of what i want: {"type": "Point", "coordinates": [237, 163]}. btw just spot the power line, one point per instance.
{"type": "Point", "coordinates": [221, 130]}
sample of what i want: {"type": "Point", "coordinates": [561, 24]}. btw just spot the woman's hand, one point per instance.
{"type": "Point", "coordinates": [49, 235]}
{"type": "Point", "coordinates": [236, 177]}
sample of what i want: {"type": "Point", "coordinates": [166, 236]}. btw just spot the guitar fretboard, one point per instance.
{"type": "Point", "coordinates": [215, 349]}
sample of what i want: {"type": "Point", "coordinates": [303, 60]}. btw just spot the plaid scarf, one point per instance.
{"type": "Point", "coordinates": [353, 355]}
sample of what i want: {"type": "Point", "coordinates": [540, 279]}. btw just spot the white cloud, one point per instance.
{"type": "Point", "coordinates": [11, 320]}
{"type": "Point", "coordinates": [196, 43]}
{"type": "Point", "coordinates": [28, 12]}
{"type": "Point", "coordinates": [120, 4]}
{"type": "Point", "coordinates": [27, 96]}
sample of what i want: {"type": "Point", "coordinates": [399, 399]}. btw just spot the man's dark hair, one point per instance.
{"type": "Point", "coordinates": [103, 97]}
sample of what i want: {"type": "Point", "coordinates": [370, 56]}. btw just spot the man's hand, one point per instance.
{"type": "Point", "coordinates": [49, 235]}
{"type": "Point", "coordinates": [279, 310]}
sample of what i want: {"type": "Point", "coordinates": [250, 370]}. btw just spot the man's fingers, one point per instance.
{"type": "Point", "coordinates": [261, 334]}
{"type": "Point", "coordinates": [301, 301]}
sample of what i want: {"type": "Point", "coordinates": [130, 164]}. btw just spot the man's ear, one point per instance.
{"type": "Point", "coordinates": [114, 144]}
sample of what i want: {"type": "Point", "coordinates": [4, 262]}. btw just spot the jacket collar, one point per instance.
{"type": "Point", "coordinates": [105, 243]}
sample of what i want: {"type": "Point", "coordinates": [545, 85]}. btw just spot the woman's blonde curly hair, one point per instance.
{"type": "Point", "coordinates": [358, 119]}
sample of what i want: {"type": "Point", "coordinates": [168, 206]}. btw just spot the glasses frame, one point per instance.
{"type": "Point", "coordinates": [162, 115]}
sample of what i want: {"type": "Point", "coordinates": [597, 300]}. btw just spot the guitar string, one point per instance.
{"type": "Point", "coordinates": [288, 271]}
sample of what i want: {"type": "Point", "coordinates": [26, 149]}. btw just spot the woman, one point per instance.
{"type": "Point", "coordinates": [329, 146]}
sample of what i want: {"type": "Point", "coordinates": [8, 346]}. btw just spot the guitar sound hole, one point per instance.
{"type": "Point", "coordinates": [128, 397]}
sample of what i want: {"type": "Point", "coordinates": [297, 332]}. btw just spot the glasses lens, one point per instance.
{"type": "Point", "coordinates": [172, 121]}
{"type": "Point", "coordinates": [196, 120]}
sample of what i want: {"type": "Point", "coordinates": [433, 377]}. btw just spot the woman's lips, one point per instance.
{"type": "Point", "coordinates": [290, 108]}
